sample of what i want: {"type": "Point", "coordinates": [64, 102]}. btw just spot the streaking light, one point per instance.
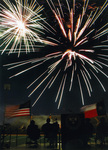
{"type": "Point", "coordinates": [21, 26]}
{"type": "Point", "coordinates": [78, 50]}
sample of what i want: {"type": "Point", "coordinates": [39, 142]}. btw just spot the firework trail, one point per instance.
{"type": "Point", "coordinates": [78, 51]}
{"type": "Point", "coordinates": [21, 26]}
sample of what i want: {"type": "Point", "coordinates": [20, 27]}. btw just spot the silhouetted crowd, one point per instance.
{"type": "Point", "coordinates": [50, 131]}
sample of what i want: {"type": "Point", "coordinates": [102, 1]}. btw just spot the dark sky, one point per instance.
{"type": "Point", "coordinates": [71, 101]}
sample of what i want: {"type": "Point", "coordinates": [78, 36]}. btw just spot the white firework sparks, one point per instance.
{"type": "Point", "coordinates": [75, 49]}
{"type": "Point", "coordinates": [20, 26]}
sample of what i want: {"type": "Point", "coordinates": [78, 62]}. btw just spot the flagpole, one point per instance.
{"type": "Point", "coordinates": [6, 89]}
{"type": "Point", "coordinates": [2, 134]}
{"type": "Point", "coordinates": [3, 127]}
{"type": "Point", "coordinates": [30, 111]}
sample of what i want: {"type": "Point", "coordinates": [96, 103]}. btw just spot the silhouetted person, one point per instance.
{"type": "Point", "coordinates": [55, 126]}
{"type": "Point", "coordinates": [33, 131]}
{"type": "Point", "coordinates": [87, 132]}
{"type": "Point", "coordinates": [101, 131]}
{"type": "Point", "coordinates": [48, 131]}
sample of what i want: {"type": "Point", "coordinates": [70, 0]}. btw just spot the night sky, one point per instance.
{"type": "Point", "coordinates": [14, 91]}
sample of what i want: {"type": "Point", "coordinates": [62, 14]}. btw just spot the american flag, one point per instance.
{"type": "Point", "coordinates": [17, 110]}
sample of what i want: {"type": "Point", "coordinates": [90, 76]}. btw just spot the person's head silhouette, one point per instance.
{"type": "Point", "coordinates": [48, 120]}
{"type": "Point", "coordinates": [32, 122]}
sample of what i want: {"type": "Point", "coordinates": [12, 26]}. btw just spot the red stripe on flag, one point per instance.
{"type": "Point", "coordinates": [91, 113]}
{"type": "Point", "coordinates": [21, 112]}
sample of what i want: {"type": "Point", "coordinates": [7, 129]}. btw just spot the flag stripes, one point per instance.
{"type": "Point", "coordinates": [17, 110]}
{"type": "Point", "coordinates": [21, 112]}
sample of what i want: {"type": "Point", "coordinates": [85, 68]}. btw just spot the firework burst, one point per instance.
{"type": "Point", "coordinates": [79, 49]}
{"type": "Point", "coordinates": [20, 25]}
